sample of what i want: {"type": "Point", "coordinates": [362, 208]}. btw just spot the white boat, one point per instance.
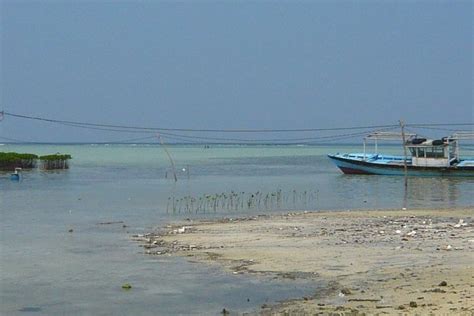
{"type": "Point", "coordinates": [423, 157]}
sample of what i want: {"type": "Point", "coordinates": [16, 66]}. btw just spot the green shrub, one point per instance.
{"type": "Point", "coordinates": [12, 156]}
{"type": "Point", "coordinates": [12, 160]}
{"type": "Point", "coordinates": [56, 161]}
{"type": "Point", "coordinates": [55, 157]}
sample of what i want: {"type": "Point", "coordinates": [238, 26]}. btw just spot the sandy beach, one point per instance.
{"type": "Point", "coordinates": [391, 262]}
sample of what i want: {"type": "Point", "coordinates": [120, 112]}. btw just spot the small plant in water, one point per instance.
{"type": "Point", "coordinates": [240, 201]}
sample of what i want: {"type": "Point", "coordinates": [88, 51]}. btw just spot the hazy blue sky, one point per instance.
{"type": "Point", "coordinates": [233, 64]}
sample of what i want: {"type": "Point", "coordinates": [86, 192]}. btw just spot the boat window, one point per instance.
{"type": "Point", "coordinates": [435, 152]}
{"type": "Point", "coordinates": [421, 152]}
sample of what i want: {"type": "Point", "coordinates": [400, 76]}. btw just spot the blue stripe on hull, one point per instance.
{"type": "Point", "coordinates": [362, 167]}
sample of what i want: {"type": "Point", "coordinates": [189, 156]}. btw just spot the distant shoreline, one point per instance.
{"type": "Point", "coordinates": [395, 261]}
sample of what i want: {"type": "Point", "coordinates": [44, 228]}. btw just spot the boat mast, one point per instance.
{"type": "Point", "coordinates": [365, 141]}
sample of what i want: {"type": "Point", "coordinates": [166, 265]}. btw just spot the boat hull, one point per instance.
{"type": "Point", "coordinates": [354, 166]}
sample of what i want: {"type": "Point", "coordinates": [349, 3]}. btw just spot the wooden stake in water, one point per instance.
{"type": "Point", "coordinates": [169, 157]}
{"type": "Point", "coordinates": [402, 126]}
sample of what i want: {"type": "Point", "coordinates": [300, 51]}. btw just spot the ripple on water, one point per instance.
{"type": "Point", "coordinates": [30, 309]}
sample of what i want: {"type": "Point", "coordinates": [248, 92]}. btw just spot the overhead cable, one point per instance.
{"type": "Point", "coordinates": [37, 118]}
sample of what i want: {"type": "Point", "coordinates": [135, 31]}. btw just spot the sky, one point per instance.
{"type": "Point", "coordinates": [233, 64]}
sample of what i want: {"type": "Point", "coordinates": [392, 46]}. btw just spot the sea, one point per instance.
{"type": "Point", "coordinates": [66, 236]}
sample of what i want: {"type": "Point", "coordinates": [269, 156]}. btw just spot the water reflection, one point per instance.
{"type": "Point", "coordinates": [337, 192]}
{"type": "Point", "coordinates": [444, 191]}
{"type": "Point", "coordinates": [390, 191]}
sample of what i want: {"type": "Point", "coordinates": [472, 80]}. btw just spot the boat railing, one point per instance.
{"type": "Point", "coordinates": [453, 140]}
{"type": "Point", "coordinates": [461, 135]}
{"type": "Point", "coordinates": [388, 136]}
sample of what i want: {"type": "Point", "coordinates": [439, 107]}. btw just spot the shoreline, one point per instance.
{"type": "Point", "coordinates": [374, 261]}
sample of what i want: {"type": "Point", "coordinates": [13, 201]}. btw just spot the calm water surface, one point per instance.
{"type": "Point", "coordinates": [46, 270]}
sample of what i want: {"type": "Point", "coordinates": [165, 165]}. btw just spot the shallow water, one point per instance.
{"type": "Point", "coordinates": [47, 270]}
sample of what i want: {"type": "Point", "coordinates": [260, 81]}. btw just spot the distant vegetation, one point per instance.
{"type": "Point", "coordinates": [12, 160]}
{"type": "Point", "coordinates": [56, 161]}
{"type": "Point", "coordinates": [55, 157]}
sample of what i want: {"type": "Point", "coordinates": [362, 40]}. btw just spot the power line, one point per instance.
{"type": "Point", "coordinates": [17, 140]}
{"type": "Point", "coordinates": [219, 139]}
{"type": "Point", "coordinates": [37, 118]}
{"type": "Point", "coordinates": [439, 124]}
{"type": "Point", "coordinates": [106, 128]}
{"type": "Point", "coordinates": [289, 140]}
{"type": "Point", "coordinates": [168, 132]}
{"type": "Point", "coordinates": [443, 129]}
{"type": "Point", "coordinates": [132, 139]}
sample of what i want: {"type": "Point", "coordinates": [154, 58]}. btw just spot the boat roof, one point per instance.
{"type": "Point", "coordinates": [410, 136]}
{"type": "Point", "coordinates": [390, 136]}
{"type": "Point", "coordinates": [462, 135]}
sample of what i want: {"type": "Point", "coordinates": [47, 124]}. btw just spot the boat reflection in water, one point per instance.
{"type": "Point", "coordinates": [423, 191]}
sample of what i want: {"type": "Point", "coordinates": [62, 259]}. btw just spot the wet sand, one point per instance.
{"type": "Point", "coordinates": [395, 262]}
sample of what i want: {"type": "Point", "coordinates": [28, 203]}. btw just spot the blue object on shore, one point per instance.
{"type": "Point", "coordinates": [16, 175]}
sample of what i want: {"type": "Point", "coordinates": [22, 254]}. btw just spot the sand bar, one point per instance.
{"type": "Point", "coordinates": [391, 262]}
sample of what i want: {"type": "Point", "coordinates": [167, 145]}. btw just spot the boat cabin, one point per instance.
{"type": "Point", "coordinates": [425, 152]}
{"type": "Point", "coordinates": [431, 153]}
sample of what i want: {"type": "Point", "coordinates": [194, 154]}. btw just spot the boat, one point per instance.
{"type": "Point", "coordinates": [15, 176]}
{"type": "Point", "coordinates": [422, 157]}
